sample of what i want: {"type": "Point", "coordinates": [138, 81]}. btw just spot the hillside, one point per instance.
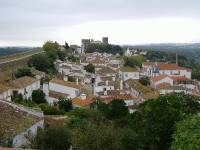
{"type": "Point", "coordinates": [5, 51]}
{"type": "Point", "coordinates": [191, 51]}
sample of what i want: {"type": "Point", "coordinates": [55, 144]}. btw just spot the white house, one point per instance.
{"type": "Point", "coordinates": [65, 87]}
{"type": "Point", "coordinates": [168, 84]}
{"type": "Point", "coordinates": [129, 73]}
{"type": "Point", "coordinates": [156, 81]}
{"type": "Point", "coordinates": [24, 86]}
{"type": "Point", "coordinates": [152, 69]}
{"type": "Point", "coordinates": [105, 86]}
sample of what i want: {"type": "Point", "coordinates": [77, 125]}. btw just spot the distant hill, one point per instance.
{"type": "Point", "coordinates": [4, 51]}
{"type": "Point", "coordinates": [189, 50]}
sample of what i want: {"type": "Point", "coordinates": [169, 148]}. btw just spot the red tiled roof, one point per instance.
{"type": "Point", "coordinates": [163, 86]}
{"type": "Point", "coordinates": [157, 78]}
{"type": "Point", "coordinates": [82, 103]}
{"type": "Point", "coordinates": [166, 66]}
{"type": "Point", "coordinates": [120, 97]}
{"type": "Point", "coordinates": [179, 78]}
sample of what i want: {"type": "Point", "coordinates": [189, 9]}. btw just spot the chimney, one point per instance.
{"type": "Point", "coordinates": [65, 78]}
{"type": "Point", "coordinates": [83, 96]}
{"type": "Point", "coordinates": [76, 81]}
{"type": "Point", "coordinates": [105, 93]}
{"type": "Point", "coordinates": [121, 84]}
{"type": "Point", "coordinates": [113, 78]}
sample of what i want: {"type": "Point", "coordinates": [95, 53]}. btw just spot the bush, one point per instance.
{"type": "Point", "coordinates": [90, 68]}
{"type": "Point", "coordinates": [145, 81]}
{"type": "Point", "coordinates": [53, 139]}
{"type": "Point", "coordinates": [38, 96]}
{"type": "Point", "coordinates": [40, 62]}
{"type": "Point", "coordinates": [23, 72]}
{"type": "Point", "coordinates": [117, 109]}
{"type": "Point", "coordinates": [104, 48]}
{"type": "Point", "coordinates": [133, 61]}
{"type": "Point", "coordinates": [17, 98]}
{"type": "Point", "coordinates": [51, 110]}
{"type": "Point", "coordinates": [65, 105]}
{"type": "Point", "coordinates": [186, 136]}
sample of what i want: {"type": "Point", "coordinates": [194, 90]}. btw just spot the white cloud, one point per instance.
{"type": "Point", "coordinates": [124, 21]}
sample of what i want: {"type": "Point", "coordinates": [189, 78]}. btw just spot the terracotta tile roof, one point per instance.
{"type": "Point", "coordinates": [105, 70]}
{"type": "Point", "coordinates": [57, 95]}
{"type": "Point", "coordinates": [3, 88]}
{"type": "Point", "coordinates": [66, 83]}
{"type": "Point", "coordinates": [179, 78]}
{"type": "Point", "coordinates": [22, 82]}
{"type": "Point", "coordinates": [166, 66]}
{"type": "Point", "coordinates": [116, 84]}
{"type": "Point", "coordinates": [97, 61]}
{"type": "Point", "coordinates": [113, 92]}
{"type": "Point", "coordinates": [163, 86]}
{"type": "Point", "coordinates": [108, 99]}
{"type": "Point", "coordinates": [37, 72]}
{"type": "Point", "coordinates": [82, 103]}
{"type": "Point", "coordinates": [158, 78]}
{"type": "Point", "coordinates": [145, 92]}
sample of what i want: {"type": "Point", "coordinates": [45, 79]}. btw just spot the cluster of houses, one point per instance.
{"type": "Point", "coordinates": [111, 80]}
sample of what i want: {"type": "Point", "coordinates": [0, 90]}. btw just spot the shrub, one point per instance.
{"type": "Point", "coordinates": [23, 72]}
{"type": "Point", "coordinates": [38, 96]}
{"type": "Point", "coordinates": [65, 105]}
{"type": "Point", "coordinates": [51, 110]}
{"type": "Point", "coordinates": [53, 139]}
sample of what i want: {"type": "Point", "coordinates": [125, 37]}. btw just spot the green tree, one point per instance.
{"type": "Point", "coordinates": [90, 68]}
{"type": "Point", "coordinates": [17, 98]}
{"type": "Point", "coordinates": [196, 71]}
{"type": "Point", "coordinates": [187, 134]}
{"type": "Point", "coordinates": [61, 55]}
{"type": "Point", "coordinates": [158, 117]}
{"type": "Point", "coordinates": [93, 137]}
{"type": "Point", "coordinates": [38, 96]}
{"type": "Point", "coordinates": [66, 45]}
{"type": "Point", "coordinates": [133, 61]}
{"type": "Point", "coordinates": [65, 104]}
{"type": "Point", "coordinates": [72, 58]}
{"type": "Point", "coordinates": [144, 81]}
{"type": "Point", "coordinates": [104, 48]}
{"type": "Point", "coordinates": [53, 139]}
{"type": "Point", "coordinates": [40, 62]}
{"type": "Point", "coordinates": [51, 46]}
{"type": "Point", "coordinates": [116, 109]}
{"type": "Point", "coordinates": [23, 72]}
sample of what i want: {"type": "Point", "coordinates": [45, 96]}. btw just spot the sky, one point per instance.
{"type": "Point", "coordinates": [32, 22]}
